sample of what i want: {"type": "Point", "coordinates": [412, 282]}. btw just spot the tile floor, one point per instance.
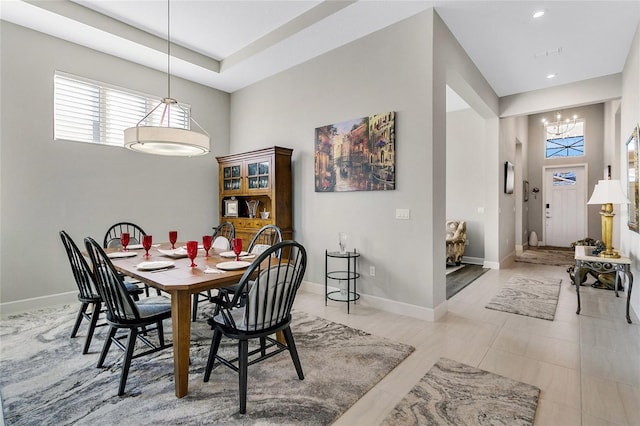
{"type": "Point", "coordinates": [587, 366]}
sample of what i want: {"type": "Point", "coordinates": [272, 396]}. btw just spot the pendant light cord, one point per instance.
{"type": "Point", "coordinates": [168, 49]}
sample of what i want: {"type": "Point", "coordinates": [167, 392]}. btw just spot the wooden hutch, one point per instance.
{"type": "Point", "coordinates": [262, 175]}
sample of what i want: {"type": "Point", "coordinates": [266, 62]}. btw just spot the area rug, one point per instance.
{"type": "Point", "coordinates": [44, 378]}
{"type": "Point", "coordinates": [533, 297]}
{"type": "Point", "coordinates": [548, 255]}
{"type": "Point", "coordinates": [457, 394]}
{"type": "Point", "coordinates": [459, 279]}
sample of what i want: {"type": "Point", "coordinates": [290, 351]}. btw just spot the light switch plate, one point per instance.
{"type": "Point", "coordinates": [403, 214]}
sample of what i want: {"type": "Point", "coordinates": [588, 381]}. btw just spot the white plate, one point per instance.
{"type": "Point", "coordinates": [121, 254]}
{"type": "Point", "coordinates": [200, 247]}
{"type": "Point", "coordinates": [158, 264]}
{"type": "Point", "coordinates": [134, 247]}
{"type": "Point", "coordinates": [232, 254]}
{"type": "Point", "coordinates": [174, 253]}
{"type": "Point", "coordinates": [230, 266]}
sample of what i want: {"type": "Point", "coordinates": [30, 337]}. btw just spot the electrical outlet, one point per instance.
{"type": "Point", "coordinates": [372, 271]}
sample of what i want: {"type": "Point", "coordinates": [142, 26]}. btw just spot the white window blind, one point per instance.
{"type": "Point", "coordinates": [88, 111]}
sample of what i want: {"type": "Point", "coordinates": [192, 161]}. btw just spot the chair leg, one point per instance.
{"type": "Point", "coordinates": [106, 346]}
{"type": "Point", "coordinates": [146, 290]}
{"type": "Point", "coordinates": [288, 337]}
{"type": "Point", "coordinates": [92, 326]}
{"type": "Point", "coordinates": [160, 333]}
{"type": "Point", "coordinates": [82, 310]}
{"type": "Point", "coordinates": [243, 361]}
{"type": "Point", "coordinates": [194, 311]}
{"type": "Point", "coordinates": [126, 362]}
{"type": "Point", "coordinates": [215, 344]}
{"type": "Point", "coordinates": [263, 346]}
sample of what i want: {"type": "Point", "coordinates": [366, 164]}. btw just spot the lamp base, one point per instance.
{"type": "Point", "coordinates": [611, 254]}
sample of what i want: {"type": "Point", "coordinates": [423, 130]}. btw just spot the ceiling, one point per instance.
{"type": "Point", "coordinates": [229, 45]}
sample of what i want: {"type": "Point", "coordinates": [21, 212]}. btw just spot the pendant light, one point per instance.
{"type": "Point", "coordinates": [164, 139]}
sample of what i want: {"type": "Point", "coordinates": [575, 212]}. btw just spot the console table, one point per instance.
{"type": "Point", "coordinates": [351, 274]}
{"type": "Point", "coordinates": [585, 262]}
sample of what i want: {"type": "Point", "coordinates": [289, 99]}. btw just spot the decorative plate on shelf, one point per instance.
{"type": "Point", "coordinates": [157, 264]}
{"type": "Point", "coordinates": [233, 265]}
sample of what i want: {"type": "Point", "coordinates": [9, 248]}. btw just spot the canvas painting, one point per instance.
{"type": "Point", "coordinates": [356, 155]}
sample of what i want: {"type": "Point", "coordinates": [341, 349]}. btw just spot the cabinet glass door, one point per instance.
{"type": "Point", "coordinates": [258, 175]}
{"type": "Point", "coordinates": [231, 178]}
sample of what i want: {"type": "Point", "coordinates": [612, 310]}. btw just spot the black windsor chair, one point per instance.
{"type": "Point", "coordinates": [269, 286]}
{"type": "Point", "coordinates": [87, 292]}
{"type": "Point", "coordinates": [124, 313]}
{"type": "Point", "coordinates": [224, 231]}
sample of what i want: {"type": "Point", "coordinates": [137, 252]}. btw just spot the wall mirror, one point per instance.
{"type": "Point", "coordinates": [633, 171]}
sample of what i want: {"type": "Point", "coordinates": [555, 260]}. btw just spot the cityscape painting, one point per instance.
{"type": "Point", "coordinates": [356, 155]}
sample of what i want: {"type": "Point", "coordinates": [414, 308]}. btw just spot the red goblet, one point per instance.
{"type": "Point", "coordinates": [206, 243]}
{"type": "Point", "coordinates": [124, 240]}
{"type": "Point", "coordinates": [173, 237]}
{"type": "Point", "coordinates": [192, 251]}
{"type": "Point", "coordinates": [236, 243]}
{"type": "Point", "coordinates": [146, 244]}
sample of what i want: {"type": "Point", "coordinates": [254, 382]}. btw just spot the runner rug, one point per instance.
{"type": "Point", "coordinates": [532, 297]}
{"type": "Point", "coordinates": [45, 379]}
{"type": "Point", "coordinates": [457, 394]}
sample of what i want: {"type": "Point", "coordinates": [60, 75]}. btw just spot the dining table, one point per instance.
{"type": "Point", "coordinates": [180, 281]}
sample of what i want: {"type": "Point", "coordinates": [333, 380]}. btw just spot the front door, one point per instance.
{"type": "Point", "coordinates": [564, 206]}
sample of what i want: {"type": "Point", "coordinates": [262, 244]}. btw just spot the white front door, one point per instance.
{"type": "Point", "coordinates": [565, 204]}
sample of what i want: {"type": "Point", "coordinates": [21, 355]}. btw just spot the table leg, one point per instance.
{"type": "Point", "coordinates": [630, 277]}
{"type": "Point", "coordinates": [181, 327]}
{"type": "Point", "coordinates": [578, 277]}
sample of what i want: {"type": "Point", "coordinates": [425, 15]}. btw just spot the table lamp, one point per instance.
{"type": "Point", "coordinates": [608, 192]}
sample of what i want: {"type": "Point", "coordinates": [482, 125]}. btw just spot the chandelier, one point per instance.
{"type": "Point", "coordinates": [164, 139]}
{"type": "Point", "coordinates": [559, 129]}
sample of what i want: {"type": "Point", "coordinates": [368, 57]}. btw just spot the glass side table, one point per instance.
{"type": "Point", "coordinates": [348, 292]}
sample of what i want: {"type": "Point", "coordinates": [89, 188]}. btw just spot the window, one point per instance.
{"type": "Point", "coordinates": [564, 143]}
{"type": "Point", "coordinates": [564, 178]}
{"type": "Point", "coordinates": [87, 111]}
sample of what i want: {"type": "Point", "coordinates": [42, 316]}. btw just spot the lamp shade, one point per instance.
{"type": "Point", "coordinates": [170, 141]}
{"type": "Point", "coordinates": [608, 192]}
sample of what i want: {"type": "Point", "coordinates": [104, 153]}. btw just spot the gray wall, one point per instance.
{"type": "Point", "coordinates": [594, 152]}
{"type": "Point", "coordinates": [48, 186]}
{"type": "Point", "coordinates": [391, 70]}
{"type": "Point", "coordinates": [465, 173]}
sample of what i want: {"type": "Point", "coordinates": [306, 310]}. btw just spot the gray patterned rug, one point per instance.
{"type": "Point", "coordinates": [532, 297]}
{"type": "Point", "coordinates": [548, 255]}
{"type": "Point", "coordinates": [457, 394]}
{"type": "Point", "coordinates": [44, 378]}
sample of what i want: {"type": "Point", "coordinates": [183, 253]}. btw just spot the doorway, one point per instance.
{"type": "Point", "coordinates": [565, 204]}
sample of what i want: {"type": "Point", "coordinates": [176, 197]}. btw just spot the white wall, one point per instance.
{"type": "Point", "coordinates": [49, 186]}
{"type": "Point", "coordinates": [465, 173]}
{"type": "Point", "coordinates": [630, 116]}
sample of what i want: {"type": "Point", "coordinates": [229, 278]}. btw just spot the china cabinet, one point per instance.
{"type": "Point", "coordinates": [261, 177]}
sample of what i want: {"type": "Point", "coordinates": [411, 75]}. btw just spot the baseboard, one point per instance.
{"type": "Point", "coordinates": [491, 265]}
{"type": "Point", "coordinates": [473, 260]}
{"type": "Point", "coordinates": [26, 305]}
{"type": "Point", "coordinates": [391, 306]}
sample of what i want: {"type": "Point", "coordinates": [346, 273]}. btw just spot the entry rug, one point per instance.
{"type": "Point", "coordinates": [532, 297]}
{"type": "Point", "coordinates": [45, 379]}
{"type": "Point", "coordinates": [457, 394]}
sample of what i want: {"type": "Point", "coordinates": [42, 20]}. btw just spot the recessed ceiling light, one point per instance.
{"type": "Point", "coordinates": [551, 75]}
{"type": "Point", "coordinates": [538, 14]}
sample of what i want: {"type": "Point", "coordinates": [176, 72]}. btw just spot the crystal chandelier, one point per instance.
{"type": "Point", "coordinates": [559, 129]}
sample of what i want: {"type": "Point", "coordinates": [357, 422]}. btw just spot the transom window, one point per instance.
{"type": "Point", "coordinates": [93, 112]}
{"type": "Point", "coordinates": [562, 143]}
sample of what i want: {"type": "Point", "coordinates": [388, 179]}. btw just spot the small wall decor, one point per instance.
{"type": "Point", "coordinates": [633, 172]}
{"type": "Point", "coordinates": [356, 155]}
{"type": "Point", "coordinates": [509, 177]}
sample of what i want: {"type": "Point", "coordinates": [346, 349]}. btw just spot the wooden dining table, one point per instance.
{"type": "Point", "coordinates": [180, 282]}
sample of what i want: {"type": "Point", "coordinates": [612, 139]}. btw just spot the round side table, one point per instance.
{"type": "Point", "coordinates": [350, 275]}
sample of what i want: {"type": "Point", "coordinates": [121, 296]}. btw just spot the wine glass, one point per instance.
{"type": "Point", "coordinates": [173, 237]}
{"type": "Point", "coordinates": [146, 244]}
{"type": "Point", "coordinates": [192, 251]}
{"type": "Point", "coordinates": [206, 243]}
{"type": "Point", "coordinates": [236, 243]}
{"type": "Point", "coordinates": [124, 240]}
